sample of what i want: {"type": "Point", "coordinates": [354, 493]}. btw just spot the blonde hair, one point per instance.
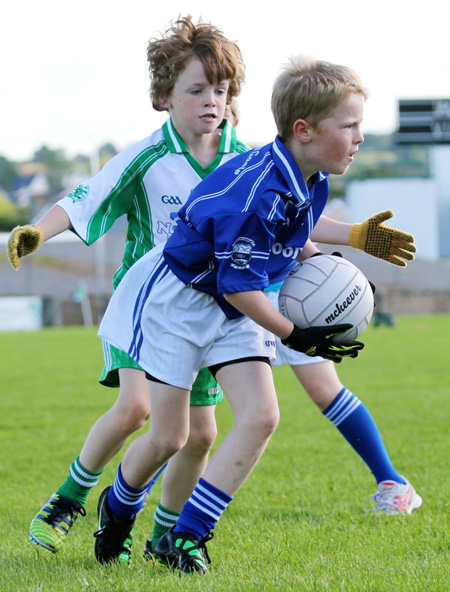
{"type": "Point", "coordinates": [169, 55]}
{"type": "Point", "coordinates": [232, 112]}
{"type": "Point", "coordinates": [310, 89]}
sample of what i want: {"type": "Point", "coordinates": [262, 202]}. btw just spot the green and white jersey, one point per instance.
{"type": "Point", "coordinates": [147, 182]}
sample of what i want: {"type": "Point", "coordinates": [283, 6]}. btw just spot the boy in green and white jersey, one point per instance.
{"type": "Point", "coordinates": [195, 72]}
{"type": "Point", "coordinates": [147, 182]}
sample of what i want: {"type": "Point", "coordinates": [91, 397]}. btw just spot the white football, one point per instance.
{"type": "Point", "coordinates": [327, 290]}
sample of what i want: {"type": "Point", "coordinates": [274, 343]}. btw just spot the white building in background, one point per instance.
{"type": "Point", "coordinates": [31, 188]}
{"type": "Point", "coordinates": [421, 206]}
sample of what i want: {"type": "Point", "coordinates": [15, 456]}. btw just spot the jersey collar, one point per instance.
{"type": "Point", "coordinates": [176, 143]}
{"type": "Point", "coordinates": [290, 170]}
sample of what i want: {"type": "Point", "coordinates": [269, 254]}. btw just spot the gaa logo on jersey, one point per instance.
{"type": "Point", "coordinates": [172, 200]}
{"type": "Point", "coordinates": [79, 193]}
{"type": "Point", "coordinates": [242, 252]}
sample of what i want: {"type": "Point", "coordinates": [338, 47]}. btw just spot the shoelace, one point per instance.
{"type": "Point", "coordinates": [59, 509]}
{"type": "Point", "coordinates": [123, 531]}
{"type": "Point", "coordinates": [381, 505]}
{"type": "Point", "coordinates": [384, 500]}
{"type": "Point", "coordinates": [202, 545]}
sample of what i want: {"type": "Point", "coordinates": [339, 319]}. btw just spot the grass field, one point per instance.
{"type": "Point", "coordinates": [299, 523]}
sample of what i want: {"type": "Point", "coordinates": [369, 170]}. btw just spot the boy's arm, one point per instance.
{"type": "Point", "coordinates": [256, 305]}
{"type": "Point", "coordinates": [315, 341]}
{"type": "Point", "coordinates": [24, 240]}
{"type": "Point", "coordinates": [54, 222]}
{"type": "Point", "coordinates": [308, 250]}
{"type": "Point", "coordinates": [371, 236]}
{"type": "Point", "coordinates": [331, 231]}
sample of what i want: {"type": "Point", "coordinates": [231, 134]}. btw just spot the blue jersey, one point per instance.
{"type": "Point", "coordinates": [243, 226]}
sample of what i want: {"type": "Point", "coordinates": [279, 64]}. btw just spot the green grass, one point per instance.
{"type": "Point", "coordinates": [298, 524]}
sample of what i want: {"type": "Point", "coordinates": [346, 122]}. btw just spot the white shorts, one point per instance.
{"type": "Point", "coordinates": [286, 355]}
{"type": "Point", "coordinates": [172, 330]}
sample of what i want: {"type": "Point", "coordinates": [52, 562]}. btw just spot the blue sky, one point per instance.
{"type": "Point", "coordinates": [75, 76]}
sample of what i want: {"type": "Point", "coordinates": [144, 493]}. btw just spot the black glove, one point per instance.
{"type": "Point", "coordinates": [318, 341]}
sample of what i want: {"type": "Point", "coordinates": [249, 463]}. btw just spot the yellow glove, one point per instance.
{"type": "Point", "coordinates": [22, 241]}
{"type": "Point", "coordinates": [381, 241]}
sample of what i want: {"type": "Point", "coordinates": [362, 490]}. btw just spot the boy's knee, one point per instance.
{"type": "Point", "coordinates": [168, 445]}
{"type": "Point", "coordinates": [270, 422]}
{"type": "Point", "coordinates": [134, 415]}
{"type": "Point", "coordinates": [138, 417]}
{"type": "Point", "coordinates": [202, 428]}
{"type": "Point", "coordinates": [202, 437]}
{"type": "Point", "coordinates": [265, 423]}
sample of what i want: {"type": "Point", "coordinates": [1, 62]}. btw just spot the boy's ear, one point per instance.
{"type": "Point", "coordinates": [302, 130]}
{"type": "Point", "coordinates": [164, 102]}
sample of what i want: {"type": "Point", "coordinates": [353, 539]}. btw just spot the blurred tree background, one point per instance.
{"type": "Point", "coordinates": [28, 188]}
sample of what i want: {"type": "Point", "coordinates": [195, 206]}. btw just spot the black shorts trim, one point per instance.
{"type": "Point", "coordinates": [216, 367]}
{"type": "Point", "coordinates": [154, 379]}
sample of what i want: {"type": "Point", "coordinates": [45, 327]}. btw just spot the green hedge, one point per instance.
{"type": "Point", "coordinates": [11, 215]}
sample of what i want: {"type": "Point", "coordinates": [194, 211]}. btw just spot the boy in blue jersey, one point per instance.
{"type": "Point", "coordinates": [195, 72]}
{"type": "Point", "coordinates": [198, 300]}
{"type": "Point", "coordinates": [394, 495]}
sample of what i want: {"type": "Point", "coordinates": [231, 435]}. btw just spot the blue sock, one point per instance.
{"type": "Point", "coordinates": [126, 501]}
{"type": "Point", "coordinates": [202, 510]}
{"type": "Point", "coordinates": [349, 415]}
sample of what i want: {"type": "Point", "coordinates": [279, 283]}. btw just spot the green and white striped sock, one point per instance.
{"type": "Point", "coordinates": [164, 520]}
{"type": "Point", "coordinates": [79, 482]}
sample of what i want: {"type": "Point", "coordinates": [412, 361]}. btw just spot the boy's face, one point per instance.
{"type": "Point", "coordinates": [336, 140]}
{"type": "Point", "coordinates": [195, 105]}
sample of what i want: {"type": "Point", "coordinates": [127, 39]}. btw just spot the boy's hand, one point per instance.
{"type": "Point", "coordinates": [22, 241]}
{"type": "Point", "coordinates": [381, 241]}
{"type": "Point", "coordinates": [318, 341]}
